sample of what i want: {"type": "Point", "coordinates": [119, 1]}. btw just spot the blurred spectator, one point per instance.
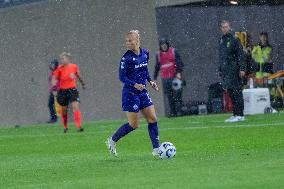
{"type": "Point", "coordinates": [52, 90]}
{"type": "Point", "coordinates": [251, 66]}
{"type": "Point", "coordinates": [262, 54]}
{"type": "Point", "coordinates": [168, 61]}
{"type": "Point", "coordinates": [232, 70]}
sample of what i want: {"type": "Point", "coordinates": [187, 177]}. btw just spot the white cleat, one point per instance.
{"type": "Point", "coordinates": [111, 146]}
{"type": "Point", "coordinates": [234, 119]}
{"type": "Point", "coordinates": [230, 119]}
{"type": "Point", "coordinates": [155, 152]}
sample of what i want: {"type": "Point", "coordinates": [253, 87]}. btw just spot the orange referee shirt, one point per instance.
{"type": "Point", "coordinates": [67, 76]}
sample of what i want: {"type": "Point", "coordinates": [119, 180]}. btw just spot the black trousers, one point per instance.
{"type": "Point", "coordinates": [174, 97]}
{"type": "Point", "coordinates": [51, 106]}
{"type": "Point", "coordinates": [237, 100]}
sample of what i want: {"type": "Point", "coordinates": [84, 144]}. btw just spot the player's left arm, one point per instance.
{"type": "Point", "coordinates": [240, 57]}
{"type": "Point", "coordinates": [153, 84]}
{"type": "Point", "coordinates": [80, 78]}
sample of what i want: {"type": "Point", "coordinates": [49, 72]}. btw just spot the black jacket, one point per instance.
{"type": "Point", "coordinates": [179, 64]}
{"type": "Point", "coordinates": [231, 61]}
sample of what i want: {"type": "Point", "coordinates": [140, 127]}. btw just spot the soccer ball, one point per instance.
{"type": "Point", "coordinates": [167, 150]}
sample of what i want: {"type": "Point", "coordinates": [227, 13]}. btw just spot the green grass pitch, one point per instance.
{"type": "Point", "coordinates": [210, 154]}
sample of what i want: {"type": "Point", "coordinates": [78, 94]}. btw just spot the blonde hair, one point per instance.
{"type": "Point", "coordinates": [135, 32]}
{"type": "Point", "coordinates": [65, 54]}
{"type": "Point", "coordinates": [137, 35]}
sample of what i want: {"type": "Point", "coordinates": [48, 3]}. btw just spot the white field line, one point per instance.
{"type": "Point", "coordinates": [228, 126]}
{"type": "Point", "coordinates": [160, 128]}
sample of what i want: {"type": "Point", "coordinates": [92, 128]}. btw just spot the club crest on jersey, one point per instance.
{"type": "Point", "coordinates": [72, 76]}
{"type": "Point", "coordinates": [135, 107]}
{"type": "Point", "coordinates": [134, 59]}
{"type": "Point", "coordinates": [228, 44]}
{"type": "Point", "coordinates": [122, 65]}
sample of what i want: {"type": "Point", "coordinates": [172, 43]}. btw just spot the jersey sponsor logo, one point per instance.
{"type": "Point", "coordinates": [141, 65]}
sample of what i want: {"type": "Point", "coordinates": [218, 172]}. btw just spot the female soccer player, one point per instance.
{"type": "Point", "coordinates": [66, 74]}
{"type": "Point", "coordinates": [133, 72]}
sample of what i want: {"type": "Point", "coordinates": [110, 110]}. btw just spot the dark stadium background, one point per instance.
{"type": "Point", "coordinates": [34, 32]}
{"type": "Point", "coordinates": [194, 30]}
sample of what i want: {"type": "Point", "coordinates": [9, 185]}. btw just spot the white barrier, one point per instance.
{"type": "Point", "coordinates": [256, 100]}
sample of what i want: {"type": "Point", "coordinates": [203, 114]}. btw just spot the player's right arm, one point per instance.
{"type": "Point", "coordinates": [123, 75]}
{"type": "Point", "coordinates": [54, 81]}
{"type": "Point", "coordinates": [157, 66]}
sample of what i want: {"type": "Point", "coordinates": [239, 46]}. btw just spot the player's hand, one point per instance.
{"type": "Point", "coordinates": [154, 85]}
{"type": "Point", "coordinates": [178, 76]}
{"type": "Point", "coordinates": [54, 93]}
{"type": "Point", "coordinates": [139, 87]}
{"type": "Point", "coordinates": [242, 74]}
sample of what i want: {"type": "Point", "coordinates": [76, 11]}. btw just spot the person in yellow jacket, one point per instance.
{"type": "Point", "coordinates": [262, 54]}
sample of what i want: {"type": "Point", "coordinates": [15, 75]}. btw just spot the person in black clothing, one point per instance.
{"type": "Point", "coordinates": [232, 70]}
{"type": "Point", "coordinates": [250, 64]}
{"type": "Point", "coordinates": [51, 101]}
{"type": "Point", "coordinates": [168, 61]}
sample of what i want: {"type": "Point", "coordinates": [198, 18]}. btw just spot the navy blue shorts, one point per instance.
{"type": "Point", "coordinates": [132, 102]}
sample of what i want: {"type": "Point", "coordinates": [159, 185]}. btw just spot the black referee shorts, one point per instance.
{"type": "Point", "coordinates": [66, 96]}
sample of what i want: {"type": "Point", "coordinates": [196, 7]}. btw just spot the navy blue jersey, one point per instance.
{"type": "Point", "coordinates": [134, 69]}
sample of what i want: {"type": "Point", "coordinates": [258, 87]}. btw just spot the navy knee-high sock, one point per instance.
{"type": "Point", "coordinates": [122, 131]}
{"type": "Point", "coordinates": [154, 134]}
